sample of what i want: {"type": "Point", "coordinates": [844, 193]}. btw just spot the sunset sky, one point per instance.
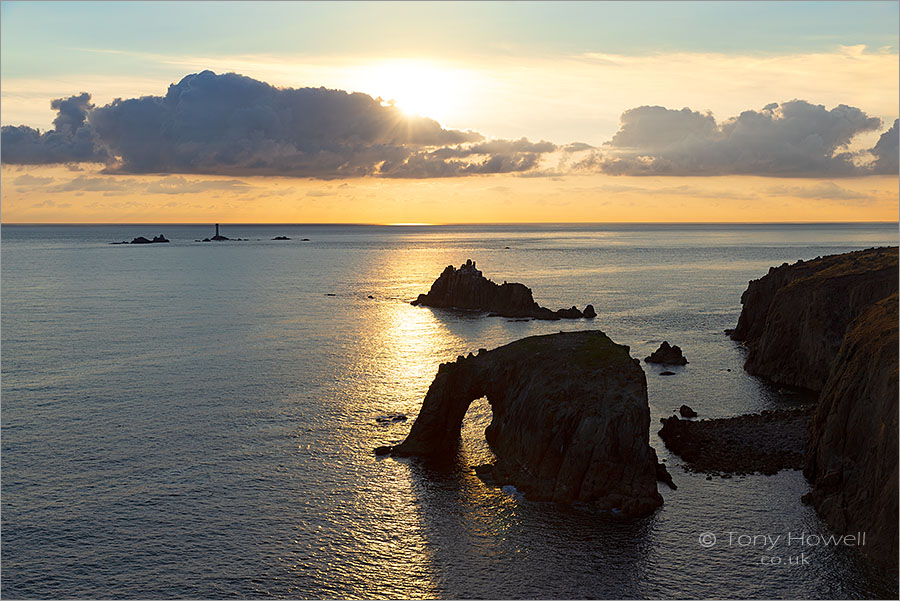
{"type": "Point", "coordinates": [449, 112]}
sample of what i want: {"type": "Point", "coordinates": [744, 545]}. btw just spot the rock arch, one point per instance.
{"type": "Point", "coordinates": [570, 421]}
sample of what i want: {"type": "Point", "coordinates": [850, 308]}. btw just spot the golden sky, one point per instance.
{"type": "Point", "coordinates": [611, 111]}
{"type": "Point", "coordinates": [56, 195]}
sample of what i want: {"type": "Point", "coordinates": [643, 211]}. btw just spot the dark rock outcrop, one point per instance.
{"type": "Point", "coordinates": [280, 238]}
{"type": "Point", "coordinates": [764, 442]}
{"type": "Point", "coordinates": [141, 240]}
{"type": "Point", "coordinates": [852, 454]}
{"type": "Point", "coordinates": [794, 318]}
{"type": "Point", "coordinates": [667, 355]}
{"type": "Point", "coordinates": [467, 288]}
{"type": "Point", "coordinates": [686, 411]}
{"type": "Point", "coordinates": [570, 420]}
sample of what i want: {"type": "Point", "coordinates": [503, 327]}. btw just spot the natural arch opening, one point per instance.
{"type": "Point", "coordinates": [473, 446]}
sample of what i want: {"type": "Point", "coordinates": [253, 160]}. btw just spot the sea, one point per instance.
{"type": "Point", "coordinates": [198, 419]}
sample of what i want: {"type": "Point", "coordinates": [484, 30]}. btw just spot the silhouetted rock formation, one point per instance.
{"type": "Point", "coordinates": [686, 411]}
{"type": "Point", "coordinates": [570, 420]}
{"type": "Point", "coordinates": [794, 318]}
{"type": "Point", "coordinates": [467, 288]}
{"type": "Point", "coordinates": [668, 355]}
{"type": "Point", "coordinates": [765, 442]}
{"type": "Point", "coordinates": [141, 240]}
{"type": "Point", "coordinates": [280, 238]}
{"type": "Point", "coordinates": [852, 458]}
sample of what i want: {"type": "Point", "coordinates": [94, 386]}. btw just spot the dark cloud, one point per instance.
{"type": "Point", "coordinates": [70, 141]}
{"type": "Point", "coordinates": [217, 124]}
{"type": "Point", "coordinates": [793, 139]}
{"type": "Point", "coordinates": [887, 152]}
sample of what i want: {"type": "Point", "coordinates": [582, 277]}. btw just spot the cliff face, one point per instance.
{"type": "Point", "coordinates": [467, 288]}
{"type": "Point", "coordinates": [852, 453]}
{"type": "Point", "coordinates": [794, 318]}
{"type": "Point", "coordinates": [570, 419]}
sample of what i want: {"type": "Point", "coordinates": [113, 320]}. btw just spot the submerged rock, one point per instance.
{"type": "Point", "coordinates": [391, 418]}
{"type": "Point", "coordinates": [852, 454]}
{"type": "Point", "coordinates": [570, 420]}
{"type": "Point", "coordinates": [467, 288]}
{"type": "Point", "coordinates": [668, 355]}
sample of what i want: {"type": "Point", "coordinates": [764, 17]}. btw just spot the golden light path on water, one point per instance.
{"type": "Point", "coordinates": [391, 369]}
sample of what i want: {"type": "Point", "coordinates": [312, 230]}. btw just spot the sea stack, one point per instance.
{"type": "Point", "coordinates": [667, 355]}
{"type": "Point", "coordinates": [466, 288]}
{"type": "Point", "coordinates": [570, 420]}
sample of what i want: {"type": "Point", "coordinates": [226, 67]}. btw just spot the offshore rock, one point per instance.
{"type": "Point", "coordinates": [570, 420]}
{"type": "Point", "coordinates": [142, 240]}
{"type": "Point", "coordinates": [467, 288]}
{"type": "Point", "coordinates": [794, 318]}
{"type": "Point", "coordinates": [667, 355]}
{"type": "Point", "coordinates": [686, 411]}
{"type": "Point", "coordinates": [852, 454]}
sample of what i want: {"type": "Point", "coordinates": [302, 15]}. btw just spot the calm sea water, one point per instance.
{"type": "Point", "coordinates": [197, 420]}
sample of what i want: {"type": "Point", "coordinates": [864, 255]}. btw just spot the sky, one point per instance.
{"type": "Point", "coordinates": [451, 112]}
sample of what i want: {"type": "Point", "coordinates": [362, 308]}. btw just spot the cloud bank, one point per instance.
{"type": "Point", "coordinates": [793, 139]}
{"type": "Point", "coordinates": [235, 125]}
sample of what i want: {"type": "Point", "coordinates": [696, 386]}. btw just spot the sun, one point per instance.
{"type": "Point", "coordinates": [421, 88]}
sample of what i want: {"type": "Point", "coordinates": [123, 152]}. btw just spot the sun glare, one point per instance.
{"type": "Point", "coordinates": [418, 87]}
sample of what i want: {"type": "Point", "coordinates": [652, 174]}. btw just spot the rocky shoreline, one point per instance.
{"type": "Point", "coordinates": [830, 325]}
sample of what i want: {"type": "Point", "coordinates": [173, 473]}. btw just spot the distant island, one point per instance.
{"type": "Point", "coordinates": [141, 240]}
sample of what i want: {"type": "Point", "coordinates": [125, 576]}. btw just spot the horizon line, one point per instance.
{"type": "Point", "coordinates": [402, 225]}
